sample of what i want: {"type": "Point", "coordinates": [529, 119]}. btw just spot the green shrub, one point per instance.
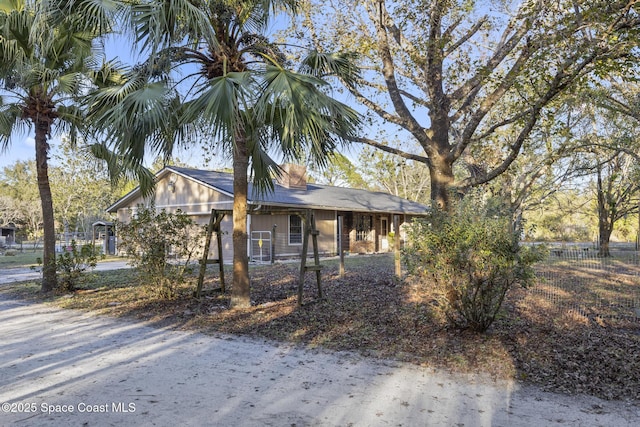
{"type": "Point", "coordinates": [151, 238]}
{"type": "Point", "coordinates": [470, 258]}
{"type": "Point", "coordinates": [72, 264]}
{"type": "Point", "coordinates": [10, 253]}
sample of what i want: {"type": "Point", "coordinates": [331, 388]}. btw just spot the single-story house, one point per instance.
{"type": "Point", "coordinates": [274, 224]}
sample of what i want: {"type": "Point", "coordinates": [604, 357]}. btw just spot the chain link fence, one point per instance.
{"type": "Point", "coordinates": [579, 281]}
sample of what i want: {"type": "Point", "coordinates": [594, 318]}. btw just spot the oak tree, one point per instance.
{"type": "Point", "coordinates": [456, 76]}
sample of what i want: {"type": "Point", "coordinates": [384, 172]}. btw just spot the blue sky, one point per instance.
{"type": "Point", "coordinates": [21, 148]}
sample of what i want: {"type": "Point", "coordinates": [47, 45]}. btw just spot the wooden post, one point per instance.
{"type": "Point", "coordinates": [316, 255]}
{"type": "Point", "coordinates": [205, 255]}
{"type": "Point", "coordinates": [303, 257]}
{"type": "Point", "coordinates": [396, 245]}
{"type": "Point", "coordinates": [309, 229]}
{"type": "Point", "coordinates": [340, 249]}
{"type": "Point", "coordinates": [214, 224]}
{"type": "Point", "coordinates": [220, 258]}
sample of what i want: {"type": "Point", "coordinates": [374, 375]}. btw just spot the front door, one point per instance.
{"type": "Point", "coordinates": [384, 234]}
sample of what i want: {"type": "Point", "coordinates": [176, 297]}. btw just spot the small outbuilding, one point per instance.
{"type": "Point", "coordinates": [7, 234]}
{"type": "Point", "coordinates": [104, 233]}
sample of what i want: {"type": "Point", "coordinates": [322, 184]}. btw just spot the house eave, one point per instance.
{"type": "Point", "coordinates": [293, 207]}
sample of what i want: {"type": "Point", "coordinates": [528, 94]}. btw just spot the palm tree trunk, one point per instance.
{"type": "Point", "coordinates": [241, 288]}
{"type": "Point", "coordinates": [49, 279]}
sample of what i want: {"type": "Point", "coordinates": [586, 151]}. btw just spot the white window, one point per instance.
{"type": "Point", "coordinates": [295, 230]}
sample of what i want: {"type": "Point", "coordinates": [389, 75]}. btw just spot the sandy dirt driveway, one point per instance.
{"type": "Point", "coordinates": [19, 274]}
{"type": "Point", "coordinates": [67, 368]}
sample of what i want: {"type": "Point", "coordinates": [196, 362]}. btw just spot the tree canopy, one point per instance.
{"type": "Point", "coordinates": [462, 78]}
{"type": "Point", "coordinates": [46, 62]}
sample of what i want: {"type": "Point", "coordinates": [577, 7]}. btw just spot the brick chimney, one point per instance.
{"type": "Point", "coordinates": [293, 176]}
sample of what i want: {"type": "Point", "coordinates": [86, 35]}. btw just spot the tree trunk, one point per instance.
{"type": "Point", "coordinates": [604, 230]}
{"type": "Point", "coordinates": [49, 278]}
{"type": "Point", "coordinates": [604, 237]}
{"type": "Point", "coordinates": [441, 174]}
{"type": "Point", "coordinates": [241, 289]}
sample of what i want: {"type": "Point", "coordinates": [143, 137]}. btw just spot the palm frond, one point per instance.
{"type": "Point", "coordinates": [6, 6]}
{"type": "Point", "coordinates": [70, 83]}
{"type": "Point", "coordinates": [303, 120]}
{"type": "Point", "coordinates": [301, 113]}
{"type": "Point", "coordinates": [263, 166]}
{"type": "Point", "coordinates": [255, 15]}
{"type": "Point", "coordinates": [341, 65]}
{"type": "Point", "coordinates": [129, 104]}
{"type": "Point", "coordinates": [157, 24]}
{"type": "Point", "coordinates": [69, 48]}
{"type": "Point", "coordinates": [172, 131]}
{"type": "Point", "coordinates": [139, 116]}
{"type": "Point", "coordinates": [94, 16]}
{"type": "Point", "coordinates": [10, 120]}
{"type": "Point", "coordinates": [107, 74]}
{"type": "Point", "coordinates": [121, 166]}
{"type": "Point", "coordinates": [72, 122]}
{"type": "Point", "coordinates": [220, 102]}
{"type": "Point", "coordinates": [15, 27]}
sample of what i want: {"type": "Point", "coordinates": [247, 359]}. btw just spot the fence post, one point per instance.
{"type": "Point", "coordinates": [273, 243]}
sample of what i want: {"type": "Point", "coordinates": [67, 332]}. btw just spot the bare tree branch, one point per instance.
{"type": "Point", "coordinates": [465, 37]}
{"type": "Point", "coordinates": [392, 150]}
{"type": "Point", "coordinates": [379, 17]}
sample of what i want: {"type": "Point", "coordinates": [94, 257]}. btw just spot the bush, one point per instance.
{"type": "Point", "coordinates": [72, 264]}
{"type": "Point", "coordinates": [151, 238]}
{"type": "Point", "coordinates": [470, 259]}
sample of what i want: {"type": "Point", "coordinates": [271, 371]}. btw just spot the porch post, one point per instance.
{"type": "Point", "coordinates": [340, 250]}
{"type": "Point", "coordinates": [396, 245]}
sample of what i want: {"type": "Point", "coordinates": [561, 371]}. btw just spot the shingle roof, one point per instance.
{"type": "Point", "coordinates": [315, 196]}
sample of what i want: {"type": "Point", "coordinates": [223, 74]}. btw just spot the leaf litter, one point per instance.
{"type": "Point", "coordinates": [537, 338]}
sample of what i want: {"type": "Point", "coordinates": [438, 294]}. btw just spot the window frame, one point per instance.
{"type": "Point", "coordinates": [295, 234]}
{"type": "Point", "coordinates": [363, 226]}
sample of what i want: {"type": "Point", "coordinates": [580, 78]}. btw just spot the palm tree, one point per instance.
{"type": "Point", "coordinates": [45, 51]}
{"type": "Point", "coordinates": [235, 87]}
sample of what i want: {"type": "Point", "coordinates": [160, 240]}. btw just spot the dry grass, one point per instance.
{"type": "Point", "coordinates": [539, 337]}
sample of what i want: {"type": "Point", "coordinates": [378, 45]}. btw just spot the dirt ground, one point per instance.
{"type": "Point", "coordinates": [65, 367]}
